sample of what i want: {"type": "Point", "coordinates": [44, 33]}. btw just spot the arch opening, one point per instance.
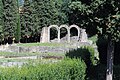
{"type": "Point", "coordinates": [63, 34]}
{"type": "Point", "coordinates": [74, 33]}
{"type": "Point", "coordinates": [53, 34]}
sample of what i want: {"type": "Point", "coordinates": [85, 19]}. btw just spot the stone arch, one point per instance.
{"type": "Point", "coordinates": [53, 26]}
{"type": "Point", "coordinates": [78, 29]}
{"type": "Point", "coordinates": [68, 31]}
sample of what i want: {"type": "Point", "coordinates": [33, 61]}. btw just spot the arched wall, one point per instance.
{"type": "Point", "coordinates": [63, 26]}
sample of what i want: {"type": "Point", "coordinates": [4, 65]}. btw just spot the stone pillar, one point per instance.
{"type": "Point", "coordinates": [68, 35]}
{"type": "Point", "coordinates": [83, 37]}
{"type": "Point", "coordinates": [78, 38]}
{"type": "Point", "coordinates": [44, 35]}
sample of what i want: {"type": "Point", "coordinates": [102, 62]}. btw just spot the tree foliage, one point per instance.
{"type": "Point", "coordinates": [1, 20]}
{"type": "Point", "coordinates": [27, 28]}
{"type": "Point", "coordinates": [9, 18]}
{"type": "Point", "coordinates": [90, 14]}
{"type": "Point", "coordinates": [18, 30]}
{"type": "Point", "coordinates": [95, 15]}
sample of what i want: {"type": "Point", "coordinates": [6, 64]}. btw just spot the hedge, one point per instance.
{"type": "Point", "coordinates": [67, 69]}
{"type": "Point", "coordinates": [86, 53]}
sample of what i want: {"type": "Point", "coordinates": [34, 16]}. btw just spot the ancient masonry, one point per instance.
{"type": "Point", "coordinates": [81, 35]}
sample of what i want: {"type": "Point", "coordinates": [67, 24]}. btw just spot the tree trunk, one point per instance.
{"type": "Point", "coordinates": [110, 52]}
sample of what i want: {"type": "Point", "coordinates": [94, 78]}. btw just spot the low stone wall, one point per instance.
{"type": "Point", "coordinates": [41, 49]}
{"type": "Point", "coordinates": [44, 49]}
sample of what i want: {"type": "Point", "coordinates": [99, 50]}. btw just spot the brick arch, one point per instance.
{"type": "Point", "coordinates": [68, 31]}
{"type": "Point", "coordinates": [53, 26]}
{"type": "Point", "coordinates": [78, 29]}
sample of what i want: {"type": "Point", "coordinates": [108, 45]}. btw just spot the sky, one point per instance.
{"type": "Point", "coordinates": [21, 2]}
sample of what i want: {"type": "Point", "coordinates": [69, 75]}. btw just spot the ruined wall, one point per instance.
{"type": "Point", "coordinates": [45, 35]}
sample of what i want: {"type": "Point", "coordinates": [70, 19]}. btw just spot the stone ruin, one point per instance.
{"type": "Point", "coordinates": [81, 34]}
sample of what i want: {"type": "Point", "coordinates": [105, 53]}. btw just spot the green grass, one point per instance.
{"type": "Point", "coordinates": [41, 44]}
{"type": "Point", "coordinates": [17, 54]}
{"type": "Point", "coordinates": [65, 45]}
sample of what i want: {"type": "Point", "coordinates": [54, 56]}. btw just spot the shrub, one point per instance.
{"type": "Point", "coordinates": [68, 69]}
{"type": "Point", "coordinates": [86, 53]}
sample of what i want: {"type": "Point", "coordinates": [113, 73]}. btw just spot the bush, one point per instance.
{"type": "Point", "coordinates": [68, 69]}
{"type": "Point", "coordinates": [86, 53]}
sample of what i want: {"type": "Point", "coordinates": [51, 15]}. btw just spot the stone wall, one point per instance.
{"type": "Point", "coordinates": [41, 49]}
{"type": "Point", "coordinates": [45, 35]}
{"type": "Point", "coordinates": [45, 49]}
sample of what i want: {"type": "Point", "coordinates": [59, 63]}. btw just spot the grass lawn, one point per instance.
{"type": "Point", "coordinates": [17, 54]}
{"type": "Point", "coordinates": [64, 45]}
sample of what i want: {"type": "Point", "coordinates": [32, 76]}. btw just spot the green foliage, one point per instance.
{"type": "Point", "coordinates": [68, 69]}
{"type": "Point", "coordinates": [77, 9]}
{"type": "Point", "coordinates": [41, 44]}
{"type": "Point", "coordinates": [77, 5]}
{"type": "Point", "coordinates": [86, 53]}
{"type": "Point", "coordinates": [1, 20]}
{"type": "Point", "coordinates": [111, 28]}
{"type": "Point", "coordinates": [18, 30]}
{"type": "Point", "coordinates": [27, 28]}
{"type": "Point", "coordinates": [100, 15]}
{"type": "Point", "coordinates": [49, 12]}
{"type": "Point", "coordinates": [109, 22]}
{"type": "Point", "coordinates": [10, 13]}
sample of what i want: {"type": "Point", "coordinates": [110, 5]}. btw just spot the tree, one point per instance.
{"type": "Point", "coordinates": [9, 18]}
{"type": "Point", "coordinates": [18, 30]}
{"type": "Point", "coordinates": [109, 28]}
{"type": "Point", "coordinates": [1, 20]}
{"type": "Point", "coordinates": [49, 12]}
{"type": "Point", "coordinates": [27, 28]}
{"type": "Point", "coordinates": [103, 15]}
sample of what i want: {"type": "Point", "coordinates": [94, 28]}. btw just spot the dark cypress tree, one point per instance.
{"type": "Point", "coordinates": [18, 30]}
{"type": "Point", "coordinates": [10, 17]}
{"type": "Point", "coordinates": [1, 20]}
{"type": "Point", "coordinates": [27, 22]}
